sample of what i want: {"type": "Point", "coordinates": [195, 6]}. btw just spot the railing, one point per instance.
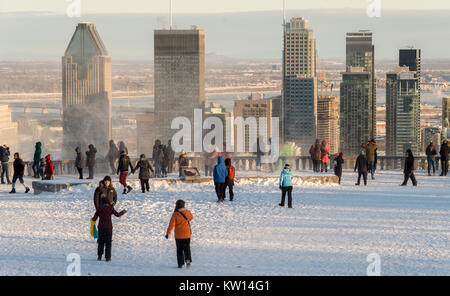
{"type": "Point", "coordinates": [243, 163]}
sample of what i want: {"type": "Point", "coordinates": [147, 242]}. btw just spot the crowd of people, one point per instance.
{"type": "Point", "coordinates": [223, 173]}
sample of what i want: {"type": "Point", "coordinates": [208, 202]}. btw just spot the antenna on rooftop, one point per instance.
{"type": "Point", "coordinates": [284, 13]}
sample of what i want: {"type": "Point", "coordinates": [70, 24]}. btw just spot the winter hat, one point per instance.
{"type": "Point", "coordinates": [287, 166]}
{"type": "Point", "coordinates": [341, 154]}
{"type": "Point", "coordinates": [142, 155]}
{"type": "Point", "coordinates": [48, 157]}
{"type": "Point", "coordinates": [317, 141]}
{"type": "Point", "coordinates": [107, 178]}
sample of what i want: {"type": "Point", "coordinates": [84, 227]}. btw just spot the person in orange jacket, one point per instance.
{"type": "Point", "coordinates": [181, 221]}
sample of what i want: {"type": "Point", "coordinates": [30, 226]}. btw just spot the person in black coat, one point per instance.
{"type": "Point", "coordinates": [122, 171]}
{"type": "Point", "coordinates": [144, 172]}
{"type": "Point", "coordinates": [79, 162]}
{"type": "Point", "coordinates": [19, 169]}
{"type": "Point", "coordinates": [90, 159]}
{"type": "Point", "coordinates": [338, 162]}
{"type": "Point", "coordinates": [408, 171]}
{"type": "Point", "coordinates": [431, 154]}
{"type": "Point", "coordinates": [445, 149]}
{"type": "Point", "coordinates": [361, 164]}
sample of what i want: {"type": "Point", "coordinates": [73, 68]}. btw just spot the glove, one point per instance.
{"type": "Point", "coordinates": [167, 236]}
{"type": "Point", "coordinates": [280, 187]}
{"type": "Point", "coordinates": [124, 211]}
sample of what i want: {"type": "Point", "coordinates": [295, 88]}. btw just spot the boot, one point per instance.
{"type": "Point", "coordinates": [429, 174]}
{"type": "Point", "coordinates": [13, 191]}
{"type": "Point", "coordinates": [124, 191]}
{"type": "Point", "coordinates": [3, 182]}
{"type": "Point", "coordinates": [99, 258]}
{"type": "Point", "coordinates": [281, 205]}
{"type": "Point", "coordinates": [188, 263]}
{"type": "Point", "coordinates": [27, 190]}
{"type": "Point", "coordinates": [129, 188]}
{"type": "Point", "coordinates": [9, 183]}
{"type": "Point", "coordinates": [357, 184]}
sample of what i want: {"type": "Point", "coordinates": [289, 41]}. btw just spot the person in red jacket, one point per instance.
{"type": "Point", "coordinates": [181, 221]}
{"type": "Point", "coordinates": [229, 180]}
{"type": "Point", "coordinates": [105, 227]}
{"type": "Point", "coordinates": [49, 171]}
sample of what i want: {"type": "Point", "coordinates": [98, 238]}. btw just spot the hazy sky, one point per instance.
{"type": "Point", "coordinates": [205, 6]}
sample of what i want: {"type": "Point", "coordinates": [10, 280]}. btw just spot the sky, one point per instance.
{"type": "Point", "coordinates": [207, 6]}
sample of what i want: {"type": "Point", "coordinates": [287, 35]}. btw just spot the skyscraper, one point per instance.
{"type": "Point", "coordinates": [299, 84]}
{"type": "Point", "coordinates": [360, 52]}
{"type": "Point", "coordinates": [86, 91]}
{"type": "Point", "coordinates": [355, 110]}
{"type": "Point", "coordinates": [402, 112]}
{"type": "Point", "coordinates": [179, 77]}
{"type": "Point", "coordinates": [445, 118]}
{"type": "Point", "coordinates": [328, 121]}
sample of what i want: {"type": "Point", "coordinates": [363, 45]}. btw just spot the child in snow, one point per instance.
{"type": "Point", "coordinates": [286, 185]}
{"type": "Point", "coordinates": [105, 227]}
{"type": "Point", "coordinates": [49, 168]}
{"type": "Point", "coordinates": [338, 161]}
{"type": "Point", "coordinates": [41, 167]}
{"type": "Point", "coordinates": [19, 169]}
{"type": "Point", "coordinates": [181, 221]}
{"type": "Point", "coordinates": [144, 172]}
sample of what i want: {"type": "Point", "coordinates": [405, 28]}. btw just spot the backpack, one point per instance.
{"type": "Point", "coordinates": [231, 172]}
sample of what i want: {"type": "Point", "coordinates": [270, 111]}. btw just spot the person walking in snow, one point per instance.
{"type": "Point", "coordinates": [170, 156]}
{"type": "Point", "coordinates": [105, 229]}
{"type": "Point", "coordinates": [181, 221]}
{"type": "Point", "coordinates": [220, 173]}
{"type": "Point", "coordinates": [112, 156]}
{"type": "Point", "coordinates": [286, 185]}
{"type": "Point", "coordinates": [36, 158]}
{"type": "Point", "coordinates": [338, 162]}
{"type": "Point", "coordinates": [370, 147]}
{"type": "Point", "coordinates": [324, 150]}
{"type": "Point", "coordinates": [49, 171]}
{"type": "Point", "coordinates": [79, 162]}
{"type": "Point", "coordinates": [90, 160]}
{"type": "Point", "coordinates": [105, 193]}
{"type": "Point", "coordinates": [361, 165]}
{"type": "Point", "coordinates": [19, 170]}
{"type": "Point", "coordinates": [408, 170]}
{"type": "Point", "coordinates": [144, 167]}
{"type": "Point", "coordinates": [431, 154]}
{"type": "Point", "coordinates": [4, 158]}
{"type": "Point", "coordinates": [122, 171]}
{"type": "Point", "coordinates": [229, 180]}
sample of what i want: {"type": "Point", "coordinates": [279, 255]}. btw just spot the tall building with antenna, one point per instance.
{"type": "Point", "coordinates": [299, 84]}
{"type": "Point", "coordinates": [86, 91]}
{"type": "Point", "coordinates": [179, 78]}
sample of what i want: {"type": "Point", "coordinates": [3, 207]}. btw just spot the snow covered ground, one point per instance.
{"type": "Point", "coordinates": [331, 230]}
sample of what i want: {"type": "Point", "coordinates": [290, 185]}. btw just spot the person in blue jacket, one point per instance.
{"type": "Point", "coordinates": [286, 185]}
{"type": "Point", "coordinates": [220, 173]}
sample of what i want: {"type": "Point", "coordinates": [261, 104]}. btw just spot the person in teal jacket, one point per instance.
{"type": "Point", "coordinates": [37, 159]}
{"type": "Point", "coordinates": [286, 185]}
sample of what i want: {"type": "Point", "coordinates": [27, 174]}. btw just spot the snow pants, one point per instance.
{"type": "Point", "coordinates": [410, 176]}
{"type": "Point", "coordinates": [123, 179]}
{"type": "Point", "coordinates": [144, 185]}
{"type": "Point", "coordinates": [183, 250]}
{"type": "Point", "coordinates": [220, 190]}
{"type": "Point", "coordinates": [288, 190]}
{"type": "Point", "coordinates": [229, 184]}
{"type": "Point", "coordinates": [104, 242]}
{"type": "Point", "coordinates": [364, 175]}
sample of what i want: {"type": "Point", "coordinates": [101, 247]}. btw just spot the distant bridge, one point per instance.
{"type": "Point", "coordinates": [46, 106]}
